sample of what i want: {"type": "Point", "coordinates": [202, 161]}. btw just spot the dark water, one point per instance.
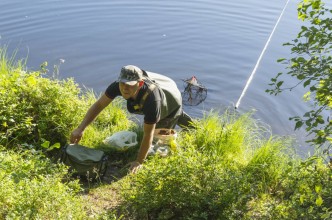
{"type": "Point", "coordinates": [217, 41]}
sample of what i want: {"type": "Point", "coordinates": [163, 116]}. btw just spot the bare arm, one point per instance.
{"type": "Point", "coordinates": [91, 114]}
{"type": "Point", "coordinates": [145, 145]}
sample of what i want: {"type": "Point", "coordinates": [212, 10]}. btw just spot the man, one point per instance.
{"type": "Point", "coordinates": [153, 95]}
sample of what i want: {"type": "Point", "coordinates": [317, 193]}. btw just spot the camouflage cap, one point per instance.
{"type": "Point", "coordinates": [130, 75]}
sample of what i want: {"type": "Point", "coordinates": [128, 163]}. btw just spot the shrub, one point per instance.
{"type": "Point", "coordinates": [33, 188]}
{"type": "Point", "coordinates": [309, 63]}
{"type": "Point", "coordinates": [37, 112]}
{"type": "Point", "coordinates": [228, 166]}
{"type": "Point", "coordinates": [181, 187]}
{"type": "Point", "coordinates": [308, 191]}
{"type": "Point", "coordinates": [35, 109]}
{"type": "Point", "coordinates": [217, 169]}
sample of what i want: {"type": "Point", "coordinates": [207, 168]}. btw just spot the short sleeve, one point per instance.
{"type": "Point", "coordinates": [113, 90]}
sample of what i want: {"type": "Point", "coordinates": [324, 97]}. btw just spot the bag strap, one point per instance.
{"type": "Point", "coordinates": [150, 89]}
{"type": "Point", "coordinates": [151, 86]}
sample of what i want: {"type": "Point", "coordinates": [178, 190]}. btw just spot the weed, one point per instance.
{"type": "Point", "coordinates": [229, 166]}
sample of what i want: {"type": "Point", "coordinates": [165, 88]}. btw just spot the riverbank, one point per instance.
{"type": "Point", "coordinates": [228, 167]}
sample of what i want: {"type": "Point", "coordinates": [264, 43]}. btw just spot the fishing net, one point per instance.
{"type": "Point", "coordinates": [194, 92]}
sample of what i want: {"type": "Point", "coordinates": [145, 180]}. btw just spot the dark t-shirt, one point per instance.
{"type": "Point", "coordinates": [163, 102]}
{"type": "Point", "coordinates": [152, 105]}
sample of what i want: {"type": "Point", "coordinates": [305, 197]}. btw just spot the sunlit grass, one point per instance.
{"type": "Point", "coordinates": [224, 158]}
{"type": "Point", "coordinates": [32, 188]}
{"type": "Point", "coordinates": [229, 166]}
{"type": "Point", "coordinates": [111, 120]}
{"type": "Point", "coordinates": [8, 64]}
{"type": "Point", "coordinates": [228, 135]}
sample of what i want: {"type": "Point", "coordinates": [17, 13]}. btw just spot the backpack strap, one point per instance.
{"type": "Point", "coordinates": [151, 86]}
{"type": "Point", "coordinates": [150, 89]}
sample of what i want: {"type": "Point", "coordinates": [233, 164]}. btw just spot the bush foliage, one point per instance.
{"type": "Point", "coordinates": [32, 187]}
{"type": "Point", "coordinates": [37, 115]}
{"type": "Point", "coordinates": [228, 166]}
{"type": "Point", "coordinates": [226, 169]}
{"type": "Point", "coordinates": [41, 112]}
{"type": "Point", "coordinates": [311, 66]}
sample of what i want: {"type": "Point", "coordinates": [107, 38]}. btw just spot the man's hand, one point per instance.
{"type": "Point", "coordinates": [92, 113]}
{"type": "Point", "coordinates": [76, 136]}
{"type": "Point", "coordinates": [135, 166]}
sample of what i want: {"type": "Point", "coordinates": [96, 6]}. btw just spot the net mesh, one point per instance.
{"type": "Point", "coordinates": [194, 92]}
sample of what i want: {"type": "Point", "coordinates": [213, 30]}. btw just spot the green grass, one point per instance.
{"type": "Point", "coordinates": [229, 166]}
{"type": "Point", "coordinates": [32, 187]}
{"type": "Point", "coordinates": [218, 166]}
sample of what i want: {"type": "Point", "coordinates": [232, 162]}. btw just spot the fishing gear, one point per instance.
{"type": "Point", "coordinates": [194, 92]}
{"type": "Point", "coordinates": [259, 59]}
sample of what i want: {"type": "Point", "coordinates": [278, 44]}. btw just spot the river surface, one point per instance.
{"type": "Point", "coordinates": [217, 41]}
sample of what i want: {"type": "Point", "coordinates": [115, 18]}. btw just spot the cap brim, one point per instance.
{"type": "Point", "coordinates": [131, 83]}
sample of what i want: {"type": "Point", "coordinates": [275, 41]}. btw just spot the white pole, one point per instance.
{"type": "Point", "coordinates": [259, 59]}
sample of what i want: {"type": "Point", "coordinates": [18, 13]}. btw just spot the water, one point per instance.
{"type": "Point", "coordinates": [217, 41]}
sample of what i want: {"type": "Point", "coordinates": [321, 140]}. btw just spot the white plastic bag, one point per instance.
{"type": "Point", "coordinates": [122, 139]}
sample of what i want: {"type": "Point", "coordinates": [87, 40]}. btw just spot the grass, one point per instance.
{"type": "Point", "coordinates": [229, 166]}
{"type": "Point", "coordinates": [32, 187]}
{"type": "Point", "coordinates": [218, 165]}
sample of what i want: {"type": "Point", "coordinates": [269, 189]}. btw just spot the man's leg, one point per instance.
{"type": "Point", "coordinates": [171, 121]}
{"type": "Point", "coordinates": [178, 117]}
{"type": "Point", "coordinates": [185, 121]}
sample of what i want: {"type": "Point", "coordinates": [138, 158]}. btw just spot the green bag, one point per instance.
{"type": "Point", "coordinates": [85, 161]}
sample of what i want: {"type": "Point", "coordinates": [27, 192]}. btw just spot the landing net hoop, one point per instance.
{"type": "Point", "coordinates": [194, 92]}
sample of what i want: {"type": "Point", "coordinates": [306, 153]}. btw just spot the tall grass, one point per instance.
{"type": "Point", "coordinates": [219, 165]}
{"type": "Point", "coordinates": [229, 166]}
{"type": "Point", "coordinates": [8, 64]}
{"type": "Point", "coordinates": [35, 109]}
{"type": "Point", "coordinates": [230, 136]}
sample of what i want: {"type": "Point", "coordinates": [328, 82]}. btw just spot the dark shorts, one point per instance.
{"type": "Point", "coordinates": [177, 117]}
